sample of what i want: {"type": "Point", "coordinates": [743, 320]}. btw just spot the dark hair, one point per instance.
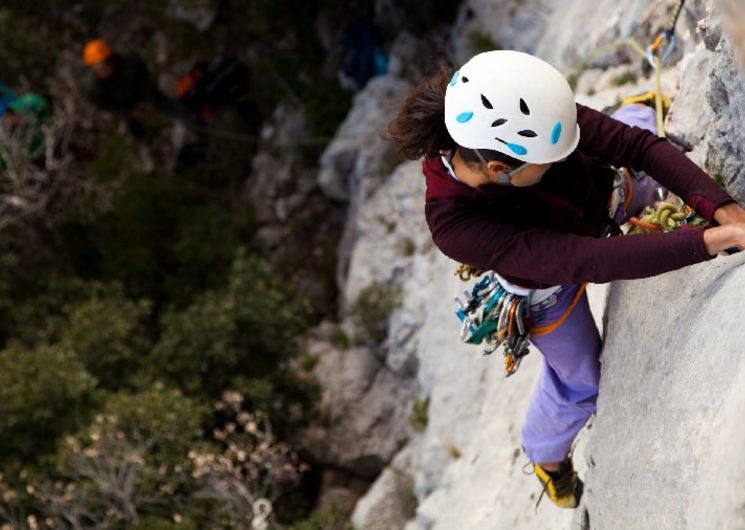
{"type": "Point", "coordinates": [419, 128]}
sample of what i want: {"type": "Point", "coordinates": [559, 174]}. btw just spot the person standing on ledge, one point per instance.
{"type": "Point", "coordinates": [519, 182]}
{"type": "Point", "coordinates": [120, 83]}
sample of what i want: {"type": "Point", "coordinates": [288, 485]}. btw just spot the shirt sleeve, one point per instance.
{"type": "Point", "coordinates": [608, 139]}
{"type": "Point", "coordinates": [474, 237]}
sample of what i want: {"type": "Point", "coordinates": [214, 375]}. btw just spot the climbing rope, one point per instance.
{"type": "Point", "coordinates": [667, 35]}
{"type": "Point", "coordinates": [651, 54]}
{"type": "Point", "coordinates": [665, 217]}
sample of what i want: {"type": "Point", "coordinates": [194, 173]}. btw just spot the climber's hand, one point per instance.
{"type": "Point", "coordinates": [722, 238]}
{"type": "Point", "coordinates": [729, 213]}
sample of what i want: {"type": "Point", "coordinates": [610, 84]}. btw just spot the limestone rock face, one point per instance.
{"type": "Point", "coordinates": [287, 202]}
{"type": "Point", "coordinates": [391, 501]}
{"type": "Point", "coordinates": [359, 157]}
{"type": "Point", "coordinates": [709, 105]}
{"type": "Point", "coordinates": [665, 450]}
{"type": "Point", "coordinates": [368, 389]}
{"type": "Point", "coordinates": [362, 421]}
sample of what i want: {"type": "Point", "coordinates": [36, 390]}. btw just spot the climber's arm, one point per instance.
{"type": "Point", "coordinates": [622, 145]}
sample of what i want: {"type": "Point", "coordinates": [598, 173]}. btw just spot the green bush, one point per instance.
{"type": "Point", "coordinates": [370, 312]}
{"type": "Point", "coordinates": [33, 304]}
{"type": "Point", "coordinates": [107, 333]}
{"type": "Point", "coordinates": [247, 329]}
{"type": "Point", "coordinates": [419, 414]}
{"type": "Point", "coordinates": [154, 523]}
{"type": "Point", "coordinates": [328, 519]}
{"type": "Point", "coordinates": [624, 78]}
{"type": "Point", "coordinates": [115, 158]}
{"type": "Point", "coordinates": [340, 339]}
{"type": "Point", "coordinates": [131, 462]}
{"type": "Point", "coordinates": [44, 392]}
{"type": "Point", "coordinates": [481, 42]}
{"type": "Point", "coordinates": [161, 239]}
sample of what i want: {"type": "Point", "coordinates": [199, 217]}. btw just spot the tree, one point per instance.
{"type": "Point", "coordinates": [44, 392]}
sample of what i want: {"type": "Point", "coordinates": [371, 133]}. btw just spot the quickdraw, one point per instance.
{"type": "Point", "coordinates": [650, 54]}
{"type": "Point", "coordinates": [666, 36]}
{"type": "Point", "coordinates": [493, 316]}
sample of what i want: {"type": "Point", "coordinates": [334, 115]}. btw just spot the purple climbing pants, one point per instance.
{"type": "Point", "coordinates": [566, 392]}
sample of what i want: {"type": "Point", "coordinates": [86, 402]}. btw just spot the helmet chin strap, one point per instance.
{"type": "Point", "coordinates": [505, 178]}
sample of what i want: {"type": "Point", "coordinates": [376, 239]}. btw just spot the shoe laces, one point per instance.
{"type": "Point", "coordinates": [564, 485]}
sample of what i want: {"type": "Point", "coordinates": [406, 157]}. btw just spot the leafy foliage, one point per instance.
{"type": "Point", "coordinates": [247, 328]}
{"type": "Point", "coordinates": [107, 333]}
{"type": "Point", "coordinates": [370, 312]}
{"type": "Point", "coordinates": [126, 315]}
{"type": "Point", "coordinates": [43, 392]}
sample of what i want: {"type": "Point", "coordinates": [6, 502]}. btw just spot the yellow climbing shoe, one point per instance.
{"type": "Point", "coordinates": [564, 488]}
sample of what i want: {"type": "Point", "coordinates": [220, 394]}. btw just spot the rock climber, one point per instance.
{"type": "Point", "coordinates": [24, 118]}
{"type": "Point", "coordinates": [364, 56]}
{"type": "Point", "coordinates": [519, 182]}
{"type": "Point", "coordinates": [120, 83]}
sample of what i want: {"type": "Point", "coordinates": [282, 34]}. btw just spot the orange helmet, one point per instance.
{"type": "Point", "coordinates": [96, 51]}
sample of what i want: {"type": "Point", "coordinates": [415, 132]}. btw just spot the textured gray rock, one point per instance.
{"type": "Point", "coordinates": [360, 157]}
{"type": "Point", "coordinates": [514, 24]}
{"type": "Point", "coordinates": [710, 102]}
{"type": "Point", "coordinates": [666, 447]}
{"type": "Point", "coordinates": [390, 229]}
{"type": "Point", "coordinates": [368, 393]}
{"type": "Point", "coordinates": [200, 13]}
{"type": "Point", "coordinates": [391, 232]}
{"type": "Point", "coordinates": [362, 420]}
{"type": "Point", "coordinates": [391, 501]}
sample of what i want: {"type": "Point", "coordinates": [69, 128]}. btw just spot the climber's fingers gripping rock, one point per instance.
{"type": "Point", "coordinates": [721, 238]}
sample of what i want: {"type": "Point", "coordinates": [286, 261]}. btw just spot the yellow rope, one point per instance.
{"type": "Point", "coordinates": [658, 96]}
{"type": "Point", "coordinates": [664, 218]}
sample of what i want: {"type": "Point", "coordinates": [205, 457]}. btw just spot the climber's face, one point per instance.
{"type": "Point", "coordinates": [104, 69]}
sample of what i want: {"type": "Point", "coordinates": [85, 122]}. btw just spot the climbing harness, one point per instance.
{"type": "Point", "coordinates": [493, 316]}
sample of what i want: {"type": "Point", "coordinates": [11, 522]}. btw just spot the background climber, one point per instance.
{"type": "Point", "coordinates": [120, 83]}
{"type": "Point", "coordinates": [23, 119]}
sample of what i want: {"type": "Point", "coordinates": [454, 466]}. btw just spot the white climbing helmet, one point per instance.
{"type": "Point", "coordinates": [514, 103]}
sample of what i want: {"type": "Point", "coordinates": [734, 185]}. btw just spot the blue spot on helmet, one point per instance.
{"type": "Point", "coordinates": [518, 149]}
{"type": "Point", "coordinates": [556, 133]}
{"type": "Point", "coordinates": [454, 79]}
{"type": "Point", "coordinates": [463, 117]}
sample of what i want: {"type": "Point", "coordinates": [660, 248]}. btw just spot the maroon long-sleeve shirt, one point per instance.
{"type": "Point", "coordinates": [549, 233]}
